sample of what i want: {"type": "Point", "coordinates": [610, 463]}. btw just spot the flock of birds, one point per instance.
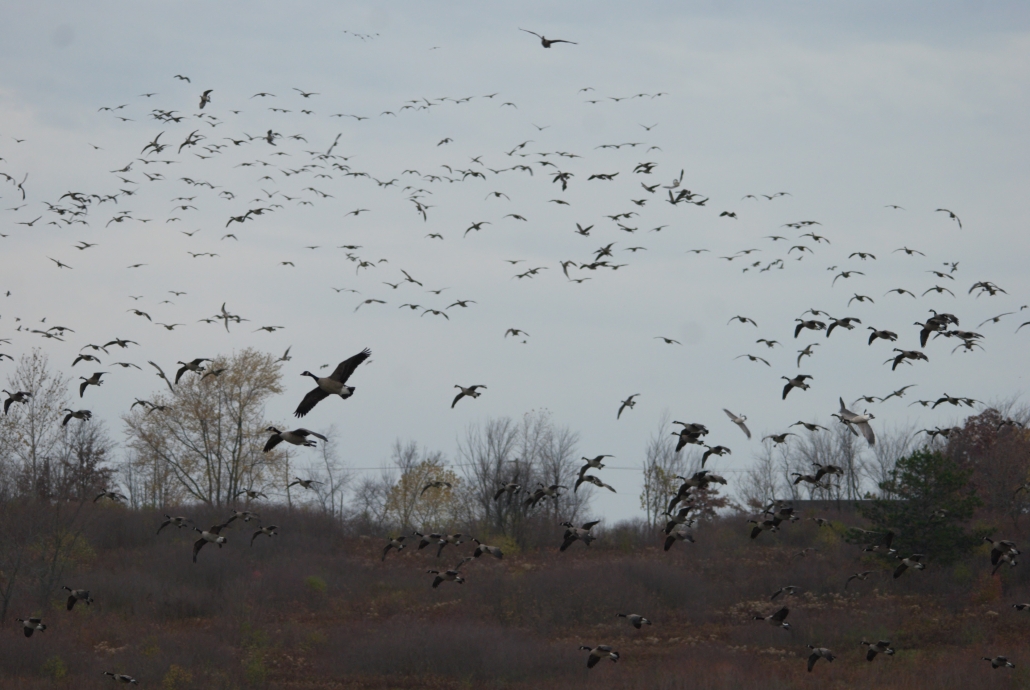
{"type": "Point", "coordinates": [324, 167]}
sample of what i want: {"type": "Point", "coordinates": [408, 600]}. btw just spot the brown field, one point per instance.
{"type": "Point", "coordinates": [316, 608]}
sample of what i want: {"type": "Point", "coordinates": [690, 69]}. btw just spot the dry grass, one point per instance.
{"type": "Point", "coordinates": [315, 607]}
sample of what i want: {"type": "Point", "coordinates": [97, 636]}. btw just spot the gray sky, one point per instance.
{"type": "Point", "coordinates": [848, 107]}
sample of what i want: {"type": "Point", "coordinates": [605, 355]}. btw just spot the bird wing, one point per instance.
{"type": "Point", "coordinates": [197, 546]}
{"type": "Point", "coordinates": [314, 396]}
{"type": "Point", "coordinates": [458, 397]}
{"type": "Point", "coordinates": [867, 431]}
{"type": "Point", "coordinates": [275, 439]}
{"type": "Point", "coordinates": [347, 366]}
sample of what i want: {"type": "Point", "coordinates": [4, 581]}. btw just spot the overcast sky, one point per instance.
{"type": "Point", "coordinates": [849, 107]}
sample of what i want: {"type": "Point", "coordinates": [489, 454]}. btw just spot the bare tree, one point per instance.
{"type": "Point", "coordinates": [661, 465]}
{"type": "Point", "coordinates": [411, 502]}
{"type": "Point", "coordinates": [210, 435]}
{"type": "Point", "coordinates": [761, 484]}
{"type": "Point", "coordinates": [31, 433]}
{"type": "Point", "coordinates": [332, 476]}
{"type": "Point", "coordinates": [878, 466]}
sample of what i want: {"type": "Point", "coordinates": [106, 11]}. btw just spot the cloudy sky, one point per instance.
{"type": "Point", "coordinates": [848, 107]}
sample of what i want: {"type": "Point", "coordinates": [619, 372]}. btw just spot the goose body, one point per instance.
{"type": "Point", "coordinates": [817, 654]}
{"type": "Point", "coordinates": [297, 437]}
{"type": "Point", "coordinates": [739, 421]}
{"type": "Point", "coordinates": [93, 380]}
{"type": "Point", "coordinates": [208, 536]}
{"type": "Point", "coordinates": [635, 619]}
{"type": "Point", "coordinates": [194, 366]}
{"type": "Point", "coordinates": [394, 543]}
{"type": "Point", "coordinates": [84, 415]}
{"type": "Point", "coordinates": [573, 534]}
{"type": "Point", "coordinates": [179, 522]}
{"type": "Point", "coordinates": [912, 561]}
{"type": "Point", "coordinates": [777, 619]}
{"type": "Point", "coordinates": [16, 397]}
{"type": "Point", "coordinates": [469, 392]}
{"type": "Point", "coordinates": [334, 384]}
{"type": "Point", "coordinates": [601, 651]}
{"type": "Point", "coordinates": [880, 647]}
{"type": "Point", "coordinates": [121, 678]}
{"type": "Point", "coordinates": [482, 548]}
{"type": "Point", "coordinates": [75, 595]}
{"type": "Point", "coordinates": [270, 531]}
{"type": "Point", "coordinates": [31, 625]}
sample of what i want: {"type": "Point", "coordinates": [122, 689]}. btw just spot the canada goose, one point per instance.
{"type": "Point", "coordinates": [547, 42]}
{"type": "Point", "coordinates": [846, 322]}
{"type": "Point", "coordinates": [859, 421]}
{"type": "Point", "coordinates": [807, 352]}
{"type": "Point", "coordinates": [1000, 549]}
{"type": "Point", "coordinates": [251, 494]}
{"type": "Point", "coordinates": [601, 651]}
{"type": "Point", "coordinates": [298, 437]}
{"type": "Point", "coordinates": [470, 392]}
{"type": "Point", "coordinates": [205, 98]}
{"type": "Point", "coordinates": [85, 358]}
{"type": "Point", "coordinates": [193, 366]}
{"type": "Point", "coordinates": [543, 492]}
{"type": "Point", "coordinates": [305, 483]}
{"type": "Point", "coordinates": [676, 535]}
{"type": "Point", "coordinates": [84, 415]}
{"type": "Point", "coordinates": [714, 450]}
{"type": "Point", "coordinates": [482, 548]}
{"type": "Point", "coordinates": [31, 625]}
{"type": "Point", "coordinates": [817, 654]}
{"type": "Point", "coordinates": [394, 543]}
{"type": "Point", "coordinates": [244, 515]}
{"type": "Point", "coordinates": [628, 402]}
{"type": "Point", "coordinates": [779, 438]}
{"type": "Point", "coordinates": [179, 522]}
{"type": "Point", "coordinates": [859, 576]}
{"type": "Point", "coordinates": [912, 561]}
{"type": "Point", "coordinates": [790, 590]}
{"type": "Point", "coordinates": [809, 426]}
{"type": "Point", "coordinates": [93, 380]}
{"type": "Point", "coordinates": [593, 480]}
{"type": "Point", "coordinates": [884, 548]}
{"type": "Point", "coordinates": [453, 575]}
{"type": "Point", "coordinates": [1009, 558]}
{"type": "Point", "coordinates": [811, 325]}
{"type": "Point", "coordinates": [777, 619]}
{"type": "Point", "coordinates": [904, 355]}
{"type": "Point", "coordinates": [699, 480]}
{"type": "Point", "coordinates": [690, 433]}
{"type": "Point", "coordinates": [270, 531]}
{"type": "Point", "coordinates": [680, 518]}
{"type": "Point", "coordinates": [796, 382]}
{"type": "Point", "coordinates": [999, 662]}
{"type": "Point", "coordinates": [121, 678]}
{"type": "Point", "coordinates": [573, 533]}
{"type": "Point", "coordinates": [635, 619]}
{"type": "Point", "coordinates": [16, 397]}
{"type": "Point", "coordinates": [510, 488]}
{"type": "Point", "coordinates": [211, 535]}
{"type": "Point", "coordinates": [821, 522]}
{"type": "Point", "coordinates": [768, 525]}
{"type": "Point", "coordinates": [804, 552]}
{"type": "Point", "coordinates": [77, 595]}
{"type": "Point", "coordinates": [446, 539]}
{"type": "Point", "coordinates": [1021, 607]}
{"type": "Point", "coordinates": [889, 336]}
{"type": "Point", "coordinates": [334, 384]}
{"type": "Point", "coordinates": [742, 319]}
{"type": "Point", "coordinates": [113, 495]}
{"type": "Point", "coordinates": [881, 647]}
{"type": "Point", "coordinates": [739, 421]}
{"type": "Point", "coordinates": [435, 484]}
{"type": "Point", "coordinates": [783, 511]}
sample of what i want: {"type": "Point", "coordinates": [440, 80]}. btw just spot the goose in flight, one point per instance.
{"type": "Point", "coordinates": [84, 415]}
{"type": "Point", "coordinates": [31, 625]}
{"type": "Point", "coordinates": [777, 619]}
{"type": "Point", "coordinates": [796, 382]}
{"type": "Point", "coordinates": [304, 483]}
{"type": "Point", "coordinates": [394, 543]}
{"type": "Point", "coordinates": [668, 341]}
{"type": "Point", "coordinates": [634, 619]}
{"type": "Point", "coordinates": [435, 484]}
{"type": "Point", "coordinates": [93, 380]}
{"type": "Point", "coordinates": [16, 397]}
{"type": "Point", "coordinates": [75, 595]}
{"type": "Point", "coordinates": [712, 450]}
{"type": "Point", "coordinates": [996, 662]}
{"type": "Point", "coordinates": [912, 561]}
{"type": "Point", "coordinates": [269, 531]}
{"type": "Point", "coordinates": [193, 366]}
{"type": "Point", "coordinates": [334, 384]}
{"type": "Point", "coordinates": [178, 521]}
{"type": "Point", "coordinates": [470, 392]}
{"type": "Point", "coordinates": [859, 576]}
{"type": "Point", "coordinates": [593, 480]}
{"type": "Point", "coordinates": [817, 654]}
{"type": "Point", "coordinates": [208, 536]}
{"type": "Point", "coordinates": [297, 437]}
{"type": "Point", "coordinates": [754, 358]}
{"type": "Point", "coordinates": [547, 42]}
{"type": "Point", "coordinates": [859, 421]}
{"type": "Point", "coordinates": [951, 214]}
{"type": "Point", "coordinates": [739, 421]}
{"type": "Point", "coordinates": [628, 402]}
{"type": "Point", "coordinates": [601, 651]}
